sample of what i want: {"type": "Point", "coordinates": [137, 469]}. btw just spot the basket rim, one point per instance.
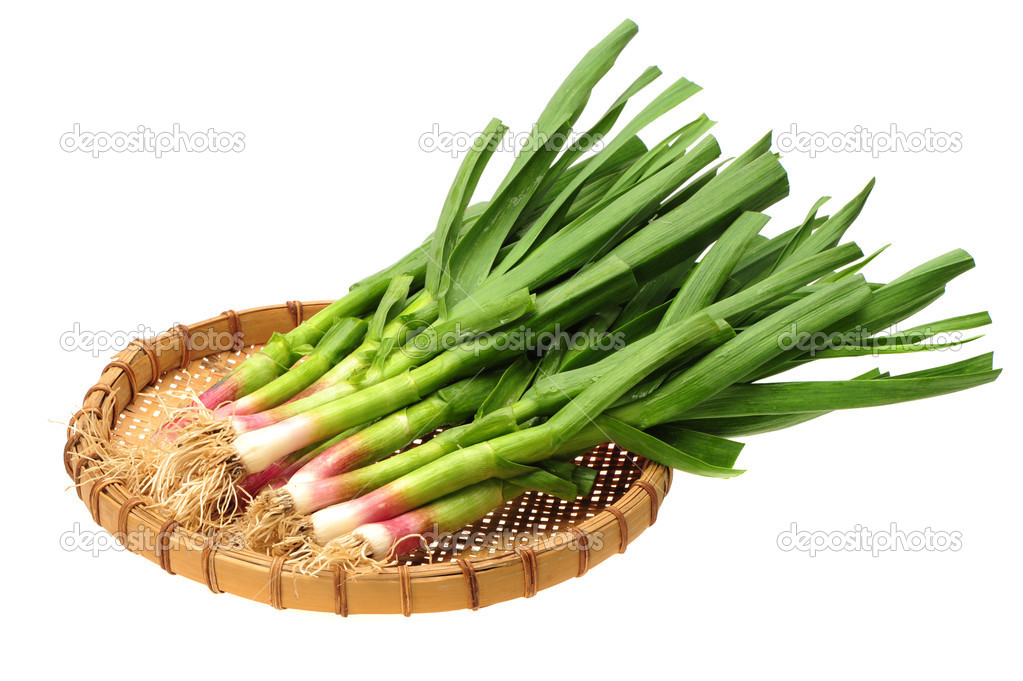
{"type": "Point", "coordinates": [451, 585]}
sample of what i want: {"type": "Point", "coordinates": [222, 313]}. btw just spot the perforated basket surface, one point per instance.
{"type": "Point", "coordinates": [530, 543]}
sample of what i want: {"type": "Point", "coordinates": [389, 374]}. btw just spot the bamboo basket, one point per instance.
{"type": "Point", "coordinates": [554, 540]}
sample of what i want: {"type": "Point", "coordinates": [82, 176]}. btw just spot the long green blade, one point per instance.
{"type": "Point", "coordinates": [473, 257]}
{"type": "Point", "coordinates": [677, 93]}
{"type": "Point", "coordinates": [452, 214]}
{"type": "Point", "coordinates": [660, 451]}
{"type": "Point", "coordinates": [764, 399]}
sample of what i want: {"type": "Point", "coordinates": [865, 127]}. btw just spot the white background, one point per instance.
{"type": "Point", "coordinates": [332, 185]}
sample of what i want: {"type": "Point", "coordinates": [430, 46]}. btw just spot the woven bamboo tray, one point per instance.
{"type": "Point", "coordinates": [554, 540]}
